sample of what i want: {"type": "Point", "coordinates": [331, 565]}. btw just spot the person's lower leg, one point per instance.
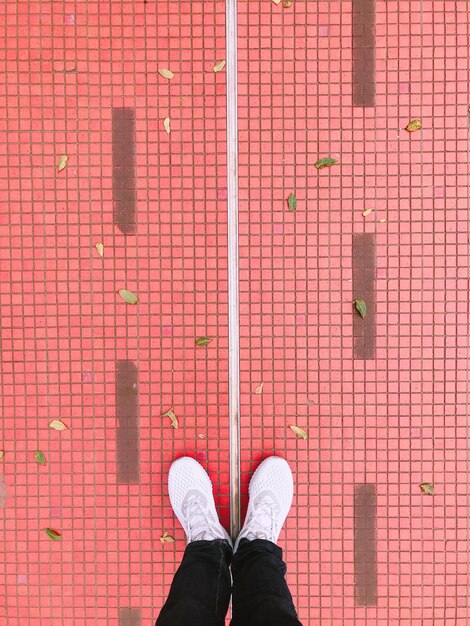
{"type": "Point", "coordinates": [200, 592]}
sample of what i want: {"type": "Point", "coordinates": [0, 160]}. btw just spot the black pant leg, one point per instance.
{"type": "Point", "coordinates": [260, 593]}
{"type": "Point", "coordinates": [200, 591]}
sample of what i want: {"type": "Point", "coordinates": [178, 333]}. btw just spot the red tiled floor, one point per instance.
{"type": "Point", "coordinates": [399, 419]}
{"type": "Point", "coordinates": [394, 421]}
{"type": "Point", "coordinates": [63, 325]}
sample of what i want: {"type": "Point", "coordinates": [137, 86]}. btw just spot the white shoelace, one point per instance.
{"type": "Point", "coordinates": [198, 520]}
{"type": "Point", "coordinates": [262, 523]}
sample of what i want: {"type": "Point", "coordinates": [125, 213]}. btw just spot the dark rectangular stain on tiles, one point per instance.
{"type": "Point", "coordinates": [127, 413]}
{"type": "Point", "coordinates": [364, 272]}
{"type": "Point", "coordinates": [363, 41]}
{"type": "Point", "coordinates": [129, 617]}
{"type": "Point", "coordinates": [365, 544]}
{"type": "Point", "coordinates": [124, 181]}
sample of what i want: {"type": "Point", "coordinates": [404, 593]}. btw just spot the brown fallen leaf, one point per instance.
{"type": "Point", "coordinates": [128, 296]}
{"type": "Point", "coordinates": [2, 454]}
{"type": "Point", "coordinates": [219, 66]}
{"type": "Point", "coordinates": [414, 125]}
{"type": "Point", "coordinates": [57, 425]}
{"type": "Point", "coordinates": [287, 4]}
{"type": "Point", "coordinates": [62, 162]}
{"type": "Point", "coordinates": [166, 73]}
{"type": "Point", "coordinates": [166, 538]}
{"type": "Point", "coordinates": [100, 248]}
{"type": "Point", "coordinates": [299, 432]}
{"type": "Point", "coordinates": [174, 420]}
{"type": "Point", "coordinates": [259, 388]}
{"type": "Point", "coordinates": [166, 124]}
{"type": "Point", "coordinates": [427, 488]}
{"type": "Point", "coordinates": [53, 534]}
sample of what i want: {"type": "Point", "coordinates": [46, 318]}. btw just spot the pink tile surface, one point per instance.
{"type": "Point", "coordinates": [401, 419]}
{"type": "Point", "coordinates": [63, 325]}
{"type": "Point", "coordinates": [396, 421]}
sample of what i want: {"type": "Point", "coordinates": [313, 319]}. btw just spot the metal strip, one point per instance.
{"type": "Point", "coordinates": [233, 294]}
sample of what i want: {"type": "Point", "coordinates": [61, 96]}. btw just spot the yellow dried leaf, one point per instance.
{"type": "Point", "coordinates": [287, 4]}
{"type": "Point", "coordinates": [427, 488]}
{"type": "Point", "coordinates": [166, 538]}
{"type": "Point", "coordinates": [165, 73]}
{"type": "Point", "coordinates": [219, 66]}
{"type": "Point", "coordinates": [99, 246]}
{"type": "Point", "coordinates": [414, 125]}
{"type": "Point", "coordinates": [166, 124]}
{"type": "Point", "coordinates": [367, 212]}
{"type": "Point", "coordinates": [174, 420]}
{"type": "Point", "coordinates": [57, 425]}
{"type": "Point", "coordinates": [128, 296]}
{"type": "Point", "coordinates": [2, 454]}
{"type": "Point", "coordinates": [276, 1]}
{"type": "Point", "coordinates": [62, 162]}
{"type": "Point", "coordinates": [383, 220]}
{"type": "Point", "coordinates": [299, 432]}
{"type": "Point", "coordinates": [259, 388]}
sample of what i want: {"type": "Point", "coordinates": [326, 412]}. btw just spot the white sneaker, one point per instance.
{"type": "Point", "coordinates": [191, 497]}
{"type": "Point", "coordinates": [271, 491]}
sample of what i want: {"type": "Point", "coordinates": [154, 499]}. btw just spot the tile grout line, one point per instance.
{"type": "Point", "coordinates": [233, 275]}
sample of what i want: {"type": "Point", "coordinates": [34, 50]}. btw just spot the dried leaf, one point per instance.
{"type": "Point", "coordinates": [128, 296]}
{"type": "Point", "coordinates": [367, 212]}
{"type": "Point", "coordinates": [53, 534]}
{"type": "Point", "coordinates": [287, 4]}
{"type": "Point", "coordinates": [292, 202]}
{"type": "Point", "coordinates": [203, 341]}
{"type": "Point", "coordinates": [201, 436]}
{"type": "Point", "coordinates": [62, 162]}
{"type": "Point", "coordinates": [383, 220]}
{"type": "Point", "coordinates": [166, 538]}
{"type": "Point", "coordinates": [166, 124]}
{"type": "Point", "coordinates": [259, 388]}
{"type": "Point", "coordinates": [327, 162]}
{"type": "Point", "coordinates": [299, 432]}
{"type": "Point", "coordinates": [174, 420]}
{"type": "Point", "coordinates": [361, 307]}
{"type": "Point", "coordinates": [427, 488]}
{"type": "Point", "coordinates": [219, 66]}
{"type": "Point", "coordinates": [57, 425]}
{"type": "Point", "coordinates": [414, 125]}
{"type": "Point", "coordinates": [276, 1]}
{"type": "Point", "coordinates": [2, 454]}
{"type": "Point", "coordinates": [99, 246]}
{"type": "Point", "coordinates": [40, 458]}
{"type": "Point", "coordinates": [166, 73]}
